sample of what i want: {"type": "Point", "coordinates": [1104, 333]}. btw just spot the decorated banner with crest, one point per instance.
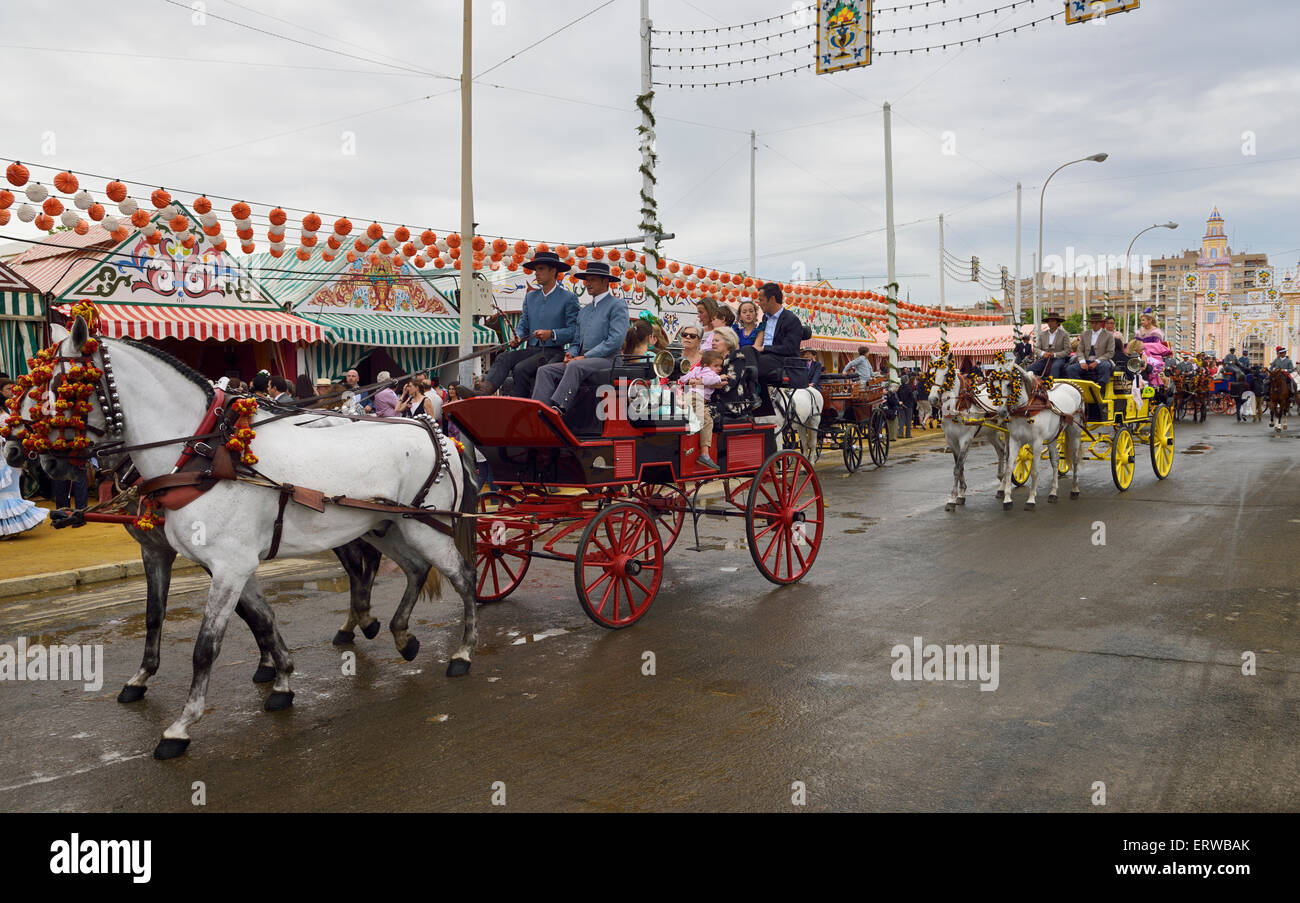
{"type": "Point", "coordinates": [1192, 282]}
{"type": "Point", "coordinates": [1264, 277]}
{"type": "Point", "coordinates": [1083, 10]}
{"type": "Point", "coordinates": [843, 35]}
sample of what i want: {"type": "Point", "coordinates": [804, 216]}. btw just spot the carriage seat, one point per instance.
{"type": "Point", "coordinates": [748, 392]}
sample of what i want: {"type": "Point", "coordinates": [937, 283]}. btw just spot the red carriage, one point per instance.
{"type": "Point", "coordinates": [608, 488]}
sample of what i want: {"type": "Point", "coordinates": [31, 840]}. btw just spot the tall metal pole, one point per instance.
{"type": "Point", "coordinates": [467, 197]}
{"type": "Point", "coordinates": [1017, 308]}
{"type": "Point", "coordinates": [1038, 267]}
{"type": "Point", "coordinates": [650, 246]}
{"type": "Point", "coordinates": [943, 324]}
{"type": "Point", "coordinates": [753, 242]}
{"type": "Point", "coordinates": [891, 288]}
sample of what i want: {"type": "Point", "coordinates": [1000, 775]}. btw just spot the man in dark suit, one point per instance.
{"type": "Point", "coordinates": [782, 335]}
{"type": "Point", "coordinates": [815, 368]}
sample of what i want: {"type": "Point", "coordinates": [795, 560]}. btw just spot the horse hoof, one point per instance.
{"type": "Point", "coordinates": [951, 506]}
{"type": "Point", "coordinates": [962, 500]}
{"type": "Point", "coordinates": [1074, 494]}
{"type": "Point", "coordinates": [459, 667]}
{"type": "Point", "coordinates": [1006, 504]}
{"type": "Point", "coordinates": [410, 649]}
{"type": "Point", "coordinates": [279, 701]}
{"type": "Point", "coordinates": [1051, 500]}
{"type": "Point", "coordinates": [1030, 506]}
{"type": "Point", "coordinates": [344, 638]}
{"type": "Point", "coordinates": [131, 694]}
{"type": "Point", "coordinates": [372, 631]}
{"type": "Point", "coordinates": [264, 674]}
{"type": "Point", "coordinates": [170, 749]}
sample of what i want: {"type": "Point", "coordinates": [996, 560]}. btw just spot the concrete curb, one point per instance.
{"type": "Point", "coordinates": [80, 577]}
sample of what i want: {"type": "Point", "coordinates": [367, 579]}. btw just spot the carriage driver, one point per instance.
{"type": "Point", "coordinates": [1282, 361]}
{"type": "Point", "coordinates": [1053, 348]}
{"type": "Point", "coordinates": [549, 321]}
{"type": "Point", "coordinates": [601, 329]}
{"type": "Point", "coordinates": [782, 335]}
{"type": "Point", "coordinates": [1096, 349]}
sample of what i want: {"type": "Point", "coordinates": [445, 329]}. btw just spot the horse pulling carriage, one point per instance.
{"type": "Point", "coordinates": [610, 496]}
{"type": "Point", "coordinates": [851, 419]}
{"type": "Point", "coordinates": [1116, 421]}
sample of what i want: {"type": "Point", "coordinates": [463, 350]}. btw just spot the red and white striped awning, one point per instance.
{"type": "Point", "coordinates": [220, 324]}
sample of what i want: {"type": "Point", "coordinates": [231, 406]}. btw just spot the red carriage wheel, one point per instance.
{"type": "Point", "coordinates": [619, 565]}
{"type": "Point", "coordinates": [504, 548]}
{"type": "Point", "coordinates": [783, 519]}
{"type": "Point", "coordinates": [667, 503]}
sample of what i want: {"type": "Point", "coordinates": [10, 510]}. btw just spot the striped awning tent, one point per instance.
{"type": "Point", "coordinates": [22, 322]}
{"type": "Point", "coordinates": [222, 324]}
{"type": "Point", "coordinates": [389, 331]}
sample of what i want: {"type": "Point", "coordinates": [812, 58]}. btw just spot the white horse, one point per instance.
{"type": "Point", "coordinates": [800, 409]}
{"type": "Point", "coordinates": [1039, 429]}
{"type": "Point", "coordinates": [230, 528]}
{"type": "Point", "coordinates": [964, 412]}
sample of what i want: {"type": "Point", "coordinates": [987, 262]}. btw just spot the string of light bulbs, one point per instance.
{"type": "Point", "coordinates": [719, 29]}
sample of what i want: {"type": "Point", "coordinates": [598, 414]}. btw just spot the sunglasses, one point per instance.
{"type": "Point", "coordinates": [690, 335]}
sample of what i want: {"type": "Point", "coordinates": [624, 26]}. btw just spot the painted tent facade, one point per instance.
{"type": "Point", "coordinates": [369, 313]}
{"type": "Point", "coordinates": [22, 321]}
{"type": "Point", "coordinates": [196, 303]}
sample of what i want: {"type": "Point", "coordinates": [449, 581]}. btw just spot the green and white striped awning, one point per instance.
{"type": "Point", "coordinates": [387, 331]}
{"type": "Point", "coordinates": [27, 305]}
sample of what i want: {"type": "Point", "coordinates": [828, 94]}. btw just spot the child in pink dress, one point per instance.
{"type": "Point", "coordinates": [697, 386]}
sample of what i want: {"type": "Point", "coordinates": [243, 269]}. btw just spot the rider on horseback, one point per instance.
{"type": "Point", "coordinates": [1282, 361]}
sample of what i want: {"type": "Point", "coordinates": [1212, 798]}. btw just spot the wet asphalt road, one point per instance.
{"type": "Point", "coordinates": [1118, 663]}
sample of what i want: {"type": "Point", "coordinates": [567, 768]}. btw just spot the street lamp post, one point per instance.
{"type": "Point", "coordinates": [1038, 270]}
{"type": "Point", "coordinates": [1128, 266]}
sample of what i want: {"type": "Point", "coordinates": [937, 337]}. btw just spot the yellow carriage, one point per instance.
{"type": "Point", "coordinates": [1118, 421]}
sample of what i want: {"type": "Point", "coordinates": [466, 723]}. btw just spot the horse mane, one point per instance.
{"type": "Point", "coordinates": [182, 368]}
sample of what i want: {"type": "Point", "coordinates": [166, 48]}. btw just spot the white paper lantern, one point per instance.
{"type": "Point", "coordinates": [128, 206]}
{"type": "Point", "coordinates": [111, 223]}
{"type": "Point", "coordinates": [308, 235]}
{"type": "Point", "coordinates": [36, 192]}
{"type": "Point", "coordinates": [441, 244]}
{"type": "Point", "coordinates": [150, 228]}
{"type": "Point", "coordinates": [83, 200]}
{"type": "Point", "coordinates": [276, 233]}
{"type": "Point", "coordinates": [26, 213]}
{"type": "Point", "coordinates": [277, 246]}
{"type": "Point", "coordinates": [70, 218]}
{"type": "Point", "coordinates": [208, 219]}
{"type": "Point", "coordinates": [170, 212]}
{"type": "Point", "coordinates": [243, 224]}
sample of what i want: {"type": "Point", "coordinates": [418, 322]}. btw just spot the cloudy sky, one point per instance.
{"type": "Point", "coordinates": [352, 109]}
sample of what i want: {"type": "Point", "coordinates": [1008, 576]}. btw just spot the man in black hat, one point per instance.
{"type": "Point", "coordinates": [599, 335]}
{"type": "Point", "coordinates": [547, 325]}
{"type": "Point", "coordinates": [1096, 353]}
{"type": "Point", "coordinates": [1053, 348]}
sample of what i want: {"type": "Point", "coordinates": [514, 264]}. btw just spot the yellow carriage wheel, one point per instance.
{"type": "Point", "coordinates": [1020, 470]}
{"type": "Point", "coordinates": [1162, 441]}
{"type": "Point", "coordinates": [1062, 456]}
{"type": "Point", "coordinates": [1121, 458]}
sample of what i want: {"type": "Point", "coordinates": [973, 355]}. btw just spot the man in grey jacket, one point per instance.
{"type": "Point", "coordinates": [1096, 353]}
{"type": "Point", "coordinates": [1053, 348]}
{"type": "Point", "coordinates": [601, 331]}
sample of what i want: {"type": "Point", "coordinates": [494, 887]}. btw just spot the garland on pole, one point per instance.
{"type": "Point", "coordinates": [650, 225]}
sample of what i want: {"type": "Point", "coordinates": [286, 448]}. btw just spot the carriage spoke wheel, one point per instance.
{"type": "Point", "coordinates": [667, 503]}
{"type": "Point", "coordinates": [619, 565]}
{"type": "Point", "coordinates": [878, 438]}
{"type": "Point", "coordinates": [1121, 458]}
{"type": "Point", "coordinates": [783, 519]}
{"type": "Point", "coordinates": [1020, 467]}
{"type": "Point", "coordinates": [503, 548]}
{"type": "Point", "coordinates": [1162, 441]}
{"type": "Point", "coordinates": [851, 442]}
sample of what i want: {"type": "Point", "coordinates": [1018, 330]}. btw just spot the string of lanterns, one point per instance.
{"type": "Point", "coordinates": [161, 218]}
{"type": "Point", "coordinates": [908, 7]}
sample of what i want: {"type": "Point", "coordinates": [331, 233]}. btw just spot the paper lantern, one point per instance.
{"type": "Point", "coordinates": [26, 213]}
{"type": "Point", "coordinates": [70, 218]}
{"type": "Point", "coordinates": [128, 206]}
{"type": "Point", "coordinates": [277, 217]}
{"type": "Point", "coordinates": [360, 245]}
{"type": "Point", "coordinates": [160, 198]}
{"type": "Point", "coordinates": [385, 248]}
{"type": "Point", "coordinates": [597, 253]}
{"type": "Point", "coordinates": [398, 261]}
{"type": "Point", "coordinates": [438, 263]}
{"type": "Point", "coordinates": [37, 193]}
{"type": "Point", "coordinates": [241, 211]}
{"type": "Point", "coordinates": [111, 223]}
{"type": "Point", "coordinates": [277, 252]}
{"type": "Point", "coordinates": [220, 247]}
{"type": "Point", "coordinates": [453, 240]}
{"type": "Point", "coordinates": [245, 234]}
{"type": "Point", "coordinates": [374, 231]}
{"type": "Point", "coordinates": [17, 174]}
{"type": "Point", "coordinates": [52, 206]}
{"type": "Point", "coordinates": [248, 247]}
{"type": "Point", "coordinates": [428, 237]}
{"type": "Point", "coordinates": [333, 243]}
{"type": "Point", "coordinates": [83, 199]}
{"type": "Point", "coordinates": [307, 240]}
{"type": "Point", "coordinates": [326, 256]}
{"type": "Point", "coordinates": [342, 226]}
{"type": "Point", "coordinates": [419, 262]}
{"type": "Point", "coordinates": [140, 219]}
{"type": "Point", "coordinates": [408, 249]}
{"type": "Point", "coordinates": [303, 254]}
{"type": "Point", "coordinates": [212, 231]}
{"type": "Point", "coordinates": [179, 224]}
{"type": "Point", "coordinates": [4, 217]}
{"type": "Point", "coordinates": [116, 191]}
{"type": "Point", "coordinates": [352, 256]}
{"type": "Point", "coordinates": [6, 199]}
{"type": "Point", "coordinates": [44, 222]}
{"type": "Point", "coordinates": [580, 251]}
{"type": "Point", "coordinates": [96, 212]}
{"type": "Point", "coordinates": [401, 234]}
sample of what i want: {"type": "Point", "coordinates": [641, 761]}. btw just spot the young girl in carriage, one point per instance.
{"type": "Point", "coordinates": [1149, 341]}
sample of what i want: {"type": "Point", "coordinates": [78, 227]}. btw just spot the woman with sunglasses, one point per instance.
{"type": "Point", "coordinates": [691, 350]}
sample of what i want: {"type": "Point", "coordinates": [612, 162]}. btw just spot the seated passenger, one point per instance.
{"type": "Point", "coordinates": [601, 331]}
{"type": "Point", "coordinates": [1053, 348]}
{"type": "Point", "coordinates": [548, 324]}
{"type": "Point", "coordinates": [1096, 353]}
{"type": "Point", "coordinates": [697, 386]}
{"type": "Point", "coordinates": [729, 399]}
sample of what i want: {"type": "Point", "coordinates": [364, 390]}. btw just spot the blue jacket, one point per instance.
{"type": "Point", "coordinates": [557, 312]}
{"type": "Point", "coordinates": [602, 328]}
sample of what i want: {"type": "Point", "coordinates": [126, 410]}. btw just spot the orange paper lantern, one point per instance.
{"type": "Point", "coordinates": [160, 198]}
{"type": "Point", "coordinates": [116, 191]}
{"type": "Point", "coordinates": [17, 174]}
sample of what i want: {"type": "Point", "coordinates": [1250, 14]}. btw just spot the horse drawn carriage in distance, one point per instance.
{"type": "Point", "coordinates": [851, 419]}
{"type": "Point", "coordinates": [1116, 422]}
{"type": "Point", "coordinates": [608, 487]}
